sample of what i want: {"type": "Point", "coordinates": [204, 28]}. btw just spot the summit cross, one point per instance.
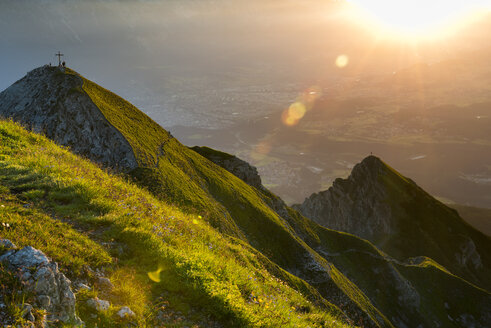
{"type": "Point", "coordinates": [59, 54]}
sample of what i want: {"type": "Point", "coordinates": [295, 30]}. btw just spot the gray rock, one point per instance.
{"type": "Point", "coordinates": [28, 257]}
{"type": "Point", "coordinates": [104, 283]}
{"type": "Point", "coordinates": [355, 205]}
{"type": "Point", "coordinates": [468, 255]}
{"type": "Point", "coordinates": [41, 277]}
{"type": "Point", "coordinates": [82, 286]}
{"type": "Point", "coordinates": [98, 305]}
{"type": "Point", "coordinates": [7, 243]}
{"type": "Point", "coordinates": [125, 312]}
{"type": "Point", "coordinates": [44, 301]}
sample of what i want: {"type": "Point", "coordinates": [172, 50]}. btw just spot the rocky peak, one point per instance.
{"type": "Point", "coordinates": [369, 168]}
{"type": "Point", "coordinates": [52, 101]}
{"type": "Point", "coordinates": [356, 205]}
{"type": "Point", "coordinates": [377, 203]}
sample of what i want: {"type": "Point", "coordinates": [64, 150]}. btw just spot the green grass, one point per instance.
{"type": "Point", "coordinates": [74, 211]}
{"type": "Point", "coordinates": [429, 228]}
{"type": "Point", "coordinates": [182, 231]}
{"type": "Point", "coordinates": [383, 286]}
{"type": "Point", "coordinates": [184, 178]}
{"type": "Point", "coordinates": [144, 135]}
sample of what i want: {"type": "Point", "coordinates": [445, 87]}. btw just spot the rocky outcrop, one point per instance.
{"type": "Point", "coordinates": [377, 203]}
{"type": "Point", "coordinates": [50, 101]}
{"type": "Point", "coordinates": [468, 255]}
{"type": "Point", "coordinates": [41, 278]}
{"type": "Point", "coordinates": [356, 205]}
{"type": "Point", "coordinates": [241, 169]}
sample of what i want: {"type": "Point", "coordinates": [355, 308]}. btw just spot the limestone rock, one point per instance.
{"type": "Point", "coordinates": [104, 283]}
{"type": "Point", "coordinates": [41, 277]}
{"type": "Point", "coordinates": [7, 243]}
{"type": "Point", "coordinates": [125, 312]}
{"type": "Point", "coordinates": [356, 205]}
{"type": "Point", "coordinates": [468, 254]}
{"type": "Point", "coordinates": [82, 286]}
{"type": "Point", "coordinates": [98, 305]}
{"type": "Point", "coordinates": [51, 102]}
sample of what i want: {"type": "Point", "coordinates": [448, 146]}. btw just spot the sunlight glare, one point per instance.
{"type": "Point", "coordinates": [417, 18]}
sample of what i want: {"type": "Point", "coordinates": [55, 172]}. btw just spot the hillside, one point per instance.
{"type": "Point", "coordinates": [92, 221]}
{"type": "Point", "coordinates": [326, 266]}
{"type": "Point", "coordinates": [390, 210]}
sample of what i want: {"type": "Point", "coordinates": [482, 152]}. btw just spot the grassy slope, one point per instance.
{"type": "Point", "coordinates": [144, 135]}
{"type": "Point", "coordinates": [43, 185]}
{"type": "Point", "coordinates": [185, 178]}
{"type": "Point", "coordinates": [182, 177]}
{"type": "Point", "coordinates": [430, 228]}
{"type": "Point", "coordinates": [386, 281]}
{"type": "Point", "coordinates": [192, 182]}
{"type": "Point", "coordinates": [373, 272]}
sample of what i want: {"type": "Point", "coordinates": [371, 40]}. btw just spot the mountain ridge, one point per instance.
{"type": "Point", "coordinates": [377, 203]}
{"type": "Point", "coordinates": [327, 262]}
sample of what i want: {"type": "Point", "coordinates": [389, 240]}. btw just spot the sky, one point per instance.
{"type": "Point", "coordinates": [151, 51]}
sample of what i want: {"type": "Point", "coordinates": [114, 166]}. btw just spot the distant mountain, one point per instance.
{"type": "Point", "coordinates": [379, 204]}
{"type": "Point", "coordinates": [334, 270]}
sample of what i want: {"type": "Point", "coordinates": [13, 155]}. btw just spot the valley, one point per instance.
{"type": "Point", "coordinates": [420, 128]}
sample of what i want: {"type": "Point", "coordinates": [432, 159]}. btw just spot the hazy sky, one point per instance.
{"type": "Point", "coordinates": [148, 51]}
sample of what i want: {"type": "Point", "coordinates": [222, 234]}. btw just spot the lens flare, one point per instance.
{"type": "Point", "coordinates": [342, 61]}
{"type": "Point", "coordinates": [294, 114]}
{"type": "Point", "coordinates": [305, 102]}
{"type": "Point", "coordinates": [155, 275]}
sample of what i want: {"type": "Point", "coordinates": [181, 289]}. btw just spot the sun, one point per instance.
{"type": "Point", "coordinates": [416, 18]}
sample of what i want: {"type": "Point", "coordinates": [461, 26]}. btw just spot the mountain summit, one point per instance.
{"type": "Point", "coordinates": [379, 204]}
{"type": "Point", "coordinates": [52, 100]}
{"type": "Point", "coordinates": [356, 205]}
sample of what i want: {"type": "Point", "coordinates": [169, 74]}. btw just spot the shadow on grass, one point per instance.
{"type": "Point", "coordinates": [44, 192]}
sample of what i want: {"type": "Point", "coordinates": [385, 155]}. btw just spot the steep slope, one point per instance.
{"type": "Point", "coordinates": [415, 293]}
{"type": "Point", "coordinates": [390, 210]}
{"type": "Point", "coordinates": [52, 102]}
{"type": "Point", "coordinates": [370, 289]}
{"type": "Point", "coordinates": [90, 221]}
{"type": "Point", "coordinates": [182, 177]}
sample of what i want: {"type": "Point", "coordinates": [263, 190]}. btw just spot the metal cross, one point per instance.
{"type": "Point", "coordinates": [59, 54]}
